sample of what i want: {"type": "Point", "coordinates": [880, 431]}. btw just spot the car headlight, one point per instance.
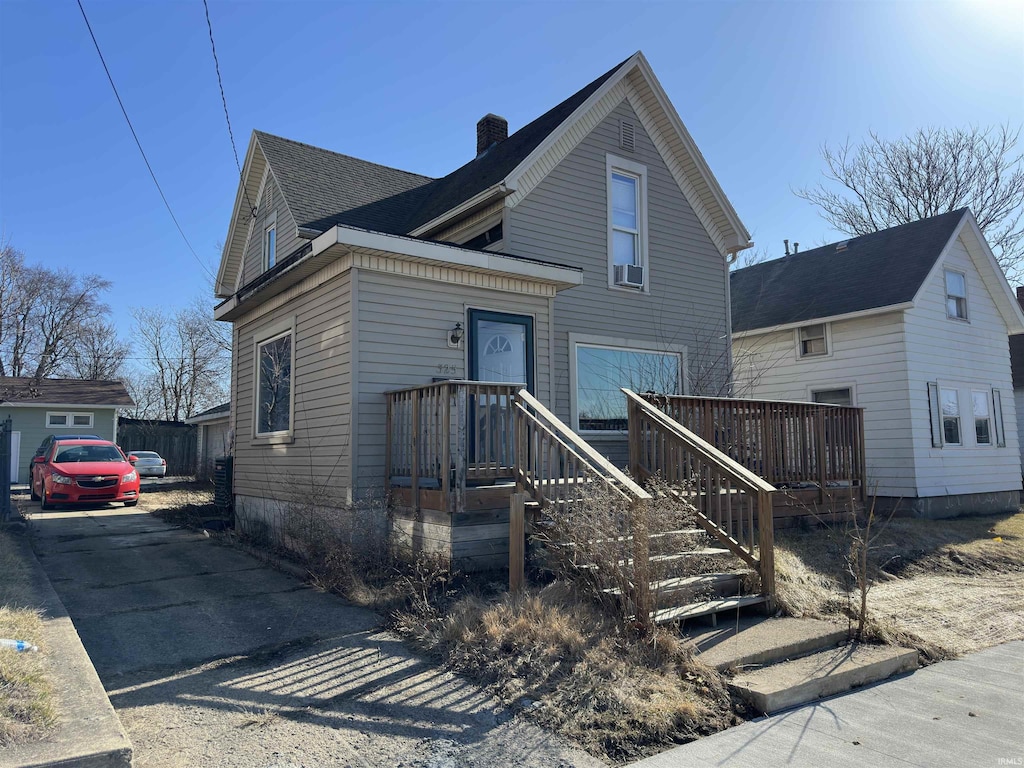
{"type": "Point", "coordinates": [131, 477]}
{"type": "Point", "coordinates": [60, 479]}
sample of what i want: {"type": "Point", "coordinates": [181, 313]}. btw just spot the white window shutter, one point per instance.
{"type": "Point", "coordinates": [935, 409]}
{"type": "Point", "coordinates": [997, 417]}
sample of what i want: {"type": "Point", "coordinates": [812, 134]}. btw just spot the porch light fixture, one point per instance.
{"type": "Point", "coordinates": [455, 335]}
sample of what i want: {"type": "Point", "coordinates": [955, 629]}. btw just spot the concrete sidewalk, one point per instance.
{"type": "Point", "coordinates": [968, 712]}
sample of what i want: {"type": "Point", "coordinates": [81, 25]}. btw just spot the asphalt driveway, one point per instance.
{"type": "Point", "coordinates": [212, 658]}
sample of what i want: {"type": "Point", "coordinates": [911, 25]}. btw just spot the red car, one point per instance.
{"type": "Point", "coordinates": [83, 472]}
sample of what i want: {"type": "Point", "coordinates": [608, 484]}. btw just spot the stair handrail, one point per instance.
{"type": "Point", "coordinates": [754, 482]}
{"type": "Point", "coordinates": [601, 467]}
{"type": "Point", "coordinates": [736, 473]}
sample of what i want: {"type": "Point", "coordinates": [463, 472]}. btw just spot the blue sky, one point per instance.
{"type": "Point", "coordinates": [760, 86]}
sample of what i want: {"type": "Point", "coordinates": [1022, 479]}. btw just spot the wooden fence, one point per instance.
{"type": "Point", "coordinates": [175, 441]}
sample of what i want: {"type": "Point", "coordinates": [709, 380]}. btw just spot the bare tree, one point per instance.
{"type": "Point", "coordinates": [935, 170]}
{"type": "Point", "coordinates": [44, 315]}
{"type": "Point", "coordinates": [188, 357]}
{"type": "Point", "coordinates": [97, 354]}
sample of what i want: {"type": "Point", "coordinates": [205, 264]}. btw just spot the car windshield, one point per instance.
{"type": "Point", "coordinates": [145, 454]}
{"type": "Point", "coordinates": [76, 453]}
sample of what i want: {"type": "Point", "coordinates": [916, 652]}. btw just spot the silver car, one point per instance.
{"type": "Point", "coordinates": [149, 464]}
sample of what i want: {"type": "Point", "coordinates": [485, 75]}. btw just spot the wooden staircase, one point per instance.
{"type": "Point", "coordinates": [713, 556]}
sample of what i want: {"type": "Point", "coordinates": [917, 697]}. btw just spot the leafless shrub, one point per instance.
{"type": "Point", "coordinates": [611, 550]}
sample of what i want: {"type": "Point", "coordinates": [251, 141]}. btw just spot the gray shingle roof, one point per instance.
{"type": "Point", "coordinates": [70, 391]}
{"type": "Point", "coordinates": [876, 270]}
{"type": "Point", "coordinates": [324, 188]}
{"type": "Point", "coordinates": [224, 408]}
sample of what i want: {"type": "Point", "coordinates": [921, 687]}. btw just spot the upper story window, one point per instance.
{"type": "Point", "coordinates": [627, 223]}
{"type": "Point", "coordinates": [813, 340]}
{"type": "Point", "coordinates": [956, 295]}
{"type": "Point", "coordinates": [270, 244]}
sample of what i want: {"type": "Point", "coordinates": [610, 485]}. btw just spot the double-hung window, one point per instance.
{"type": "Point", "coordinates": [956, 295]}
{"type": "Point", "coordinates": [601, 371]}
{"type": "Point", "coordinates": [813, 340]}
{"type": "Point", "coordinates": [950, 404]}
{"type": "Point", "coordinates": [627, 223]}
{"type": "Point", "coordinates": [275, 357]}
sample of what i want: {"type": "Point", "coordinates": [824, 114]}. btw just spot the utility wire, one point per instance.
{"type": "Point", "coordinates": [139, 143]}
{"type": "Point", "coordinates": [224, 101]}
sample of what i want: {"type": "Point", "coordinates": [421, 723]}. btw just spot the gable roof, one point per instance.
{"type": "Point", "coordinates": [28, 391]}
{"type": "Point", "coordinates": [324, 188]}
{"type": "Point", "coordinates": [878, 270]}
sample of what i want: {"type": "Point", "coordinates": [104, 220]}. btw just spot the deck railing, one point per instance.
{"type": "Point", "coordinates": [790, 444]}
{"type": "Point", "coordinates": [731, 501]}
{"type": "Point", "coordinates": [449, 434]}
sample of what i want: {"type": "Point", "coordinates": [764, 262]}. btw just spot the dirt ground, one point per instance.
{"type": "Point", "coordinates": [954, 585]}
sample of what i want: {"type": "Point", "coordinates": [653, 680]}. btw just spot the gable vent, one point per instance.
{"type": "Point", "coordinates": [268, 199]}
{"type": "Point", "coordinates": [627, 135]}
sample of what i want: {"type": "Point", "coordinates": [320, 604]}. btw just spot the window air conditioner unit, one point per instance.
{"type": "Point", "coordinates": [631, 275]}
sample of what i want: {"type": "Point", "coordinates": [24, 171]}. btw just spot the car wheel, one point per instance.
{"type": "Point", "coordinates": [45, 502]}
{"type": "Point", "coordinates": [32, 491]}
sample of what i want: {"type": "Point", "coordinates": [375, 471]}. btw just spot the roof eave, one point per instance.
{"type": "Point", "coordinates": [902, 306]}
{"type": "Point", "coordinates": [479, 201]}
{"type": "Point", "coordinates": [221, 287]}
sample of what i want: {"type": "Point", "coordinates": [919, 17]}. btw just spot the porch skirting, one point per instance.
{"type": "Point", "coordinates": [307, 528]}
{"type": "Point", "coordinates": [940, 507]}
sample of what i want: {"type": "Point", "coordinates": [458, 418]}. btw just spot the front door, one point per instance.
{"type": "Point", "coordinates": [501, 348]}
{"type": "Point", "coordinates": [500, 352]}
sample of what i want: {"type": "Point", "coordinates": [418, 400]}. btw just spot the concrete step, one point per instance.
{"type": "Point", "coordinates": [705, 608]}
{"type": "Point", "coordinates": [788, 684]}
{"type": "Point", "coordinates": [760, 641]}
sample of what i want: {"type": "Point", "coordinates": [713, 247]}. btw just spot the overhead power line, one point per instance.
{"type": "Point", "coordinates": [224, 101]}
{"type": "Point", "coordinates": [139, 143]}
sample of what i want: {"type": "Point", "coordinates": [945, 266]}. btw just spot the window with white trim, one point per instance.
{"type": "Point", "coordinates": [627, 223]}
{"type": "Point", "coordinates": [982, 417]}
{"type": "Point", "coordinates": [956, 295]}
{"type": "Point", "coordinates": [274, 360]}
{"type": "Point", "coordinates": [836, 396]}
{"type": "Point", "coordinates": [601, 372]}
{"type": "Point", "coordinates": [950, 405]}
{"type": "Point", "coordinates": [68, 419]}
{"type": "Point", "coordinates": [270, 244]}
{"type": "Point", "coordinates": [812, 340]}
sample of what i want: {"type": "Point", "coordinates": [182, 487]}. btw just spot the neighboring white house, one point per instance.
{"type": "Point", "coordinates": [213, 437]}
{"type": "Point", "coordinates": [909, 323]}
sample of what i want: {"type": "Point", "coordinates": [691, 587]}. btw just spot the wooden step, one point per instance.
{"type": "Point", "coordinates": [620, 539]}
{"type": "Point", "coordinates": [705, 608]}
{"type": "Point", "coordinates": [677, 556]}
{"type": "Point", "coordinates": [720, 584]}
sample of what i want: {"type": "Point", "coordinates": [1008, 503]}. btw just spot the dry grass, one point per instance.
{"type": "Point", "coordinates": [946, 587]}
{"type": "Point", "coordinates": [189, 506]}
{"type": "Point", "coordinates": [578, 671]}
{"type": "Point", "coordinates": [27, 709]}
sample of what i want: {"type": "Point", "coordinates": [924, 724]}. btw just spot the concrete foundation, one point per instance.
{"type": "Point", "coordinates": [940, 507]}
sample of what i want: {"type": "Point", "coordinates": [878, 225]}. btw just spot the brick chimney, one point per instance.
{"type": "Point", "coordinates": [1020, 296]}
{"type": "Point", "coordinates": [490, 130]}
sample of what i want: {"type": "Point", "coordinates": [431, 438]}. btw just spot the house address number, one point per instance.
{"type": "Point", "coordinates": [447, 369]}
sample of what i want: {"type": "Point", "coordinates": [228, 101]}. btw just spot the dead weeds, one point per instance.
{"type": "Point", "coordinates": [577, 671]}
{"type": "Point", "coordinates": [27, 708]}
{"type": "Point", "coordinates": [945, 587]}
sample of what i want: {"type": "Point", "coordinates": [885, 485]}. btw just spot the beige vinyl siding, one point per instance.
{"type": "Point", "coordinates": [31, 423]}
{"type": "Point", "coordinates": [867, 354]}
{"type": "Point", "coordinates": [288, 239]}
{"type": "Point", "coordinates": [963, 354]}
{"type": "Point", "coordinates": [403, 324]}
{"type": "Point", "coordinates": [564, 219]}
{"type": "Point", "coordinates": [319, 458]}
